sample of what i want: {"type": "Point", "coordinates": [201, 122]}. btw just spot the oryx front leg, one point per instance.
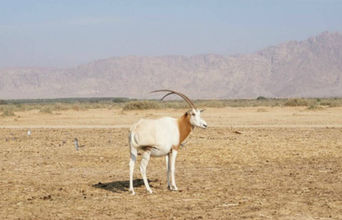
{"type": "Point", "coordinates": [173, 167]}
{"type": "Point", "coordinates": [143, 165]}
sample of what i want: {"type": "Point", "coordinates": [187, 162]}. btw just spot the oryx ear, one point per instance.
{"type": "Point", "coordinates": [202, 110]}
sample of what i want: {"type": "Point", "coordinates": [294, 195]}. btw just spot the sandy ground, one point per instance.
{"type": "Point", "coordinates": [285, 164]}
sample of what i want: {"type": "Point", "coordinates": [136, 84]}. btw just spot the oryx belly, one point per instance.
{"type": "Point", "coordinates": [159, 152]}
{"type": "Point", "coordinates": [161, 134]}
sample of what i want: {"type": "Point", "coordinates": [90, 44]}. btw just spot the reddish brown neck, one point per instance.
{"type": "Point", "coordinates": [184, 127]}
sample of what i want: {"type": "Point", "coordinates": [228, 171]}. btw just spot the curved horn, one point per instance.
{"type": "Point", "coordinates": [170, 92]}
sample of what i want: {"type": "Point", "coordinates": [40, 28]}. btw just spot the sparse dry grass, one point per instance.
{"type": "Point", "coordinates": [8, 113]}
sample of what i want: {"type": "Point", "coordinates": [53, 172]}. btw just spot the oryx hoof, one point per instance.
{"type": "Point", "coordinates": [173, 188]}
{"type": "Point", "coordinates": [132, 192]}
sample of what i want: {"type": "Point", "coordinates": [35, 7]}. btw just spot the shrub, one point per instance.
{"type": "Point", "coordinates": [331, 103]}
{"type": "Point", "coordinates": [296, 102]}
{"type": "Point", "coordinates": [3, 102]}
{"type": "Point", "coordinates": [261, 98]}
{"type": "Point", "coordinates": [76, 107]}
{"type": "Point", "coordinates": [314, 107]}
{"type": "Point", "coordinates": [119, 100]}
{"type": "Point", "coordinates": [141, 105]}
{"type": "Point", "coordinates": [60, 107]}
{"type": "Point", "coordinates": [334, 104]}
{"type": "Point", "coordinates": [208, 103]}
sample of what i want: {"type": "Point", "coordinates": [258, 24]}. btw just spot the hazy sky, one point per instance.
{"type": "Point", "coordinates": [71, 32]}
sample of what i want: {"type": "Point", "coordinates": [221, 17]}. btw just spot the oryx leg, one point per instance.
{"type": "Point", "coordinates": [143, 165]}
{"type": "Point", "coordinates": [173, 167]}
{"type": "Point", "coordinates": [168, 165]}
{"type": "Point", "coordinates": [132, 160]}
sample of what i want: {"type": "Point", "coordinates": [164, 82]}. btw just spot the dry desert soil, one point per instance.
{"type": "Point", "coordinates": [251, 163]}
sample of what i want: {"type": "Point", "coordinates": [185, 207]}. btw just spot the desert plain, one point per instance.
{"type": "Point", "coordinates": [250, 163]}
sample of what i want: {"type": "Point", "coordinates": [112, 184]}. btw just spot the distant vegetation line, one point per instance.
{"type": "Point", "coordinates": [49, 106]}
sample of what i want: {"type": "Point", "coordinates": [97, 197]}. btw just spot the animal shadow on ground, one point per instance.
{"type": "Point", "coordinates": [121, 186]}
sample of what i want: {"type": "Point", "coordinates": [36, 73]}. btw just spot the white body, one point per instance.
{"type": "Point", "coordinates": [156, 137]}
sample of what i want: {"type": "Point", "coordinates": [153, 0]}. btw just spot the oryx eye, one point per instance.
{"type": "Point", "coordinates": [193, 114]}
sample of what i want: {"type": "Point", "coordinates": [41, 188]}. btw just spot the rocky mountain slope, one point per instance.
{"type": "Point", "coordinates": [309, 68]}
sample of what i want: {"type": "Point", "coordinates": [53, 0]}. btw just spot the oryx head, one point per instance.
{"type": "Point", "coordinates": [194, 113]}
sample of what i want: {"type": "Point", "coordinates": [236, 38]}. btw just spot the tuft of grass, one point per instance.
{"type": "Point", "coordinates": [261, 110]}
{"type": "Point", "coordinates": [141, 105]}
{"type": "Point", "coordinates": [60, 107]}
{"type": "Point", "coordinates": [314, 107]}
{"type": "Point", "coordinates": [46, 110]}
{"type": "Point", "coordinates": [8, 113]}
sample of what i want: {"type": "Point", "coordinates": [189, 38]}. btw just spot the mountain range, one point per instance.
{"type": "Point", "coordinates": [308, 68]}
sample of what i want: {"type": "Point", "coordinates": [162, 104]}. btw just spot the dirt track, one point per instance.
{"type": "Point", "coordinates": [279, 171]}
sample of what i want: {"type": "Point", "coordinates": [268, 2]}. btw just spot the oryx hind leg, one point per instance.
{"type": "Point", "coordinates": [133, 158]}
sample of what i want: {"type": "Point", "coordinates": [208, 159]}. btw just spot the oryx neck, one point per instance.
{"type": "Point", "coordinates": [184, 127]}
